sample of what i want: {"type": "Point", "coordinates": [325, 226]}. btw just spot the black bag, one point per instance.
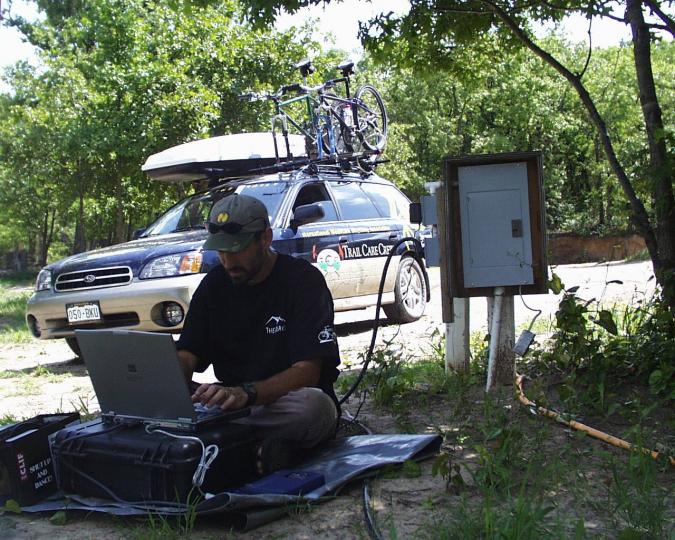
{"type": "Point", "coordinates": [127, 464]}
{"type": "Point", "coordinates": [26, 470]}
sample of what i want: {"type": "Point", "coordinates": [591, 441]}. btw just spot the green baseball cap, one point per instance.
{"type": "Point", "coordinates": [234, 221]}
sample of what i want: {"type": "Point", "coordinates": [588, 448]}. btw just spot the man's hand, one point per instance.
{"type": "Point", "coordinates": [225, 397]}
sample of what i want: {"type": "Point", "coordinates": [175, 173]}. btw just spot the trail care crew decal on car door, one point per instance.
{"type": "Point", "coordinates": [327, 334]}
{"type": "Point", "coordinates": [364, 250]}
{"type": "Point", "coordinates": [275, 324]}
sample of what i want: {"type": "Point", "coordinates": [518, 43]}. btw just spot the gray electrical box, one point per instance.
{"type": "Point", "coordinates": [492, 225]}
{"type": "Point", "coordinates": [495, 223]}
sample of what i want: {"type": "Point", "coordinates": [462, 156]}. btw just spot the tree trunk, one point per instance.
{"type": "Point", "coordinates": [663, 268]}
{"type": "Point", "coordinates": [44, 241]}
{"type": "Point", "coordinates": [119, 234]}
{"type": "Point", "coordinates": [661, 172]}
{"type": "Point", "coordinates": [80, 241]}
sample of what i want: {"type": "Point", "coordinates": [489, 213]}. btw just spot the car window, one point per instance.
{"type": "Point", "coordinates": [269, 193]}
{"type": "Point", "coordinates": [390, 202]}
{"type": "Point", "coordinates": [192, 212]}
{"type": "Point", "coordinates": [317, 193]}
{"type": "Point", "coordinates": [352, 201]}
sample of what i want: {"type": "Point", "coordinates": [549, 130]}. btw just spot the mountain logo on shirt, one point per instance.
{"type": "Point", "coordinates": [327, 334]}
{"type": "Point", "coordinates": [275, 324]}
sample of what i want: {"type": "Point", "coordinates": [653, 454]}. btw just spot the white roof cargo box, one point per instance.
{"type": "Point", "coordinates": [220, 157]}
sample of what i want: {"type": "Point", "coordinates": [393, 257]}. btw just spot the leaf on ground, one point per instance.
{"type": "Point", "coordinates": [59, 518]}
{"type": "Point", "coordinates": [12, 506]}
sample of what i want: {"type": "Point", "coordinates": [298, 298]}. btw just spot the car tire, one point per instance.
{"type": "Point", "coordinates": [410, 293]}
{"type": "Point", "coordinates": [74, 346]}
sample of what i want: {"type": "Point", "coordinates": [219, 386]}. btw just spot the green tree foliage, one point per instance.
{"type": "Point", "coordinates": [520, 104]}
{"type": "Point", "coordinates": [434, 34]}
{"type": "Point", "coordinates": [122, 80]}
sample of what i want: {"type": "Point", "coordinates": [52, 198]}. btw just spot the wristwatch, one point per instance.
{"type": "Point", "coordinates": [251, 392]}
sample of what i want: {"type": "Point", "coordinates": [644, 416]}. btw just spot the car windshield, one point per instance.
{"type": "Point", "coordinates": [191, 213]}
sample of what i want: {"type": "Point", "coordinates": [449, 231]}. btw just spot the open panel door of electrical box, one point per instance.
{"type": "Point", "coordinates": [494, 234]}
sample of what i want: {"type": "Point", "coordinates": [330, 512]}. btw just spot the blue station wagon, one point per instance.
{"type": "Point", "coordinates": [345, 223]}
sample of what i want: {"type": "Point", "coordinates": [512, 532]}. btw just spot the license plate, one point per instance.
{"type": "Point", "coordinates": [82, 313]}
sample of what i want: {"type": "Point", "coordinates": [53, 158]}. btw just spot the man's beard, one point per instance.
{"type": "Point", "coordinates": [241, 275]}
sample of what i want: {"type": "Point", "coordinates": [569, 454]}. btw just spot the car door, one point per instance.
{"type": "Point", "coordinates": [322, 242]}
{"type": "Point", "coordinates": [372, 237]}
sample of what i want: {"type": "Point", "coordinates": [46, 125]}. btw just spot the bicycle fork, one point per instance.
{"type": "Point", "coordinates": [281, 119]}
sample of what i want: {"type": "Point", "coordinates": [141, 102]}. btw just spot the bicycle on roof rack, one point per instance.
{"type": "Point", "coordinates": [342, 130]}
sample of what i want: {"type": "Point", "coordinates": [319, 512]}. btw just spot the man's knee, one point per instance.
{"type": "Point", "coordinates": [311, 403]}
{"type": "Point", "coordinates": [314, 411]}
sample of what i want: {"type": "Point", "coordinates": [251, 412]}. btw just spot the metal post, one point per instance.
{"type": "Point", "coordinates": [455, 310]}
{"type": "Point", "coordinates": [494, 335]}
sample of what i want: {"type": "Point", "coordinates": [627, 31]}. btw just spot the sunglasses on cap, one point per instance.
{"type": "Point", "coordinates": [230, 227]}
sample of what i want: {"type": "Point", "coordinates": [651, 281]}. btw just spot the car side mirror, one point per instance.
{"type": "Point", "coordinates": [415, 212]}
{"type": "Point", "coordinates": [137, 233]}
{"type": "Point", "coordinates": [307, 213]}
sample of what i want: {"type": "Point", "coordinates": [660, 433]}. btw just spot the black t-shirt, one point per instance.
{"type": "Point", "coordinates": [251, 332]}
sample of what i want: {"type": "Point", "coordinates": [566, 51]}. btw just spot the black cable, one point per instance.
{"type": "Point", "coordinates": [537, 311]}
{"type": "Point", "coordinates": [371, 525]}
{"type": "Point", "coordinates": [376, 322]}
{"type": "Point", "coordinates": [144, 505]}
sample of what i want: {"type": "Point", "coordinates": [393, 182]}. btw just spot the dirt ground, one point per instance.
{"type": "Point", "coordinates": [42, 377]}
{"type": "Point", "coordinates": [67, 387]}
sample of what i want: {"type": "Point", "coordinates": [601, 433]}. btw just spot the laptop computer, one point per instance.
{"type": "Point", "coordinates": [137, 377]}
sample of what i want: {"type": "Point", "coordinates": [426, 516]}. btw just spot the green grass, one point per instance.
{"type": "Point", "coordinates": [529, 477]}
{"type": "Point", "coordinates": [29, 382]}
{"type": "Point", "coordinates": [17, 279]}
{"type": "Point", "coordinates": [13, 327]}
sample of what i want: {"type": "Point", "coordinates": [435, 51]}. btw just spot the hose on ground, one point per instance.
{"type": "Point", "coordinates": [558, 417]}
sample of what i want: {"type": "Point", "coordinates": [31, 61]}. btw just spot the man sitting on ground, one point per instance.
{"type": "Point", "coordinates": [265, 322]}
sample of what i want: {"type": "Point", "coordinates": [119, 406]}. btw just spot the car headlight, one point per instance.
{"type": "Point", "coordinates": [44, 280]}
{"type": "Point", "coordinates": [173, 265]}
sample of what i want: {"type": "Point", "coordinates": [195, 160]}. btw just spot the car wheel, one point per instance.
{"type": "Point", "coordinates": [410, 293]}
{"type": "Point", "coordinates": [74, 346]}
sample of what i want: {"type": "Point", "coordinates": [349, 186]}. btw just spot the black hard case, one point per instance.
{"type": "Point", "coordinates": [116, 461]}
{"type": "Point", "coordinates": [26, 469]}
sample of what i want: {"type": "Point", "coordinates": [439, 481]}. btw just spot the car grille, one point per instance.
{"type": "Point", "coordinates": [94, 279]}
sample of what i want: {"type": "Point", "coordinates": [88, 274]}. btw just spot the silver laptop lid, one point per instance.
{"type": "Point", "coordinates": [136, 374]}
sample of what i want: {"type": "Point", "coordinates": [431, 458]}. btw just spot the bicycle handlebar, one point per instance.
{"type": "Point", "coordinates": [297, 87]}
{"type": "Point", "coordinates": [290, 88]}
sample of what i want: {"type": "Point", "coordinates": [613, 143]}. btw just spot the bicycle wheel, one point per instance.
{"type": "Point", "coordinates": [372, 118]}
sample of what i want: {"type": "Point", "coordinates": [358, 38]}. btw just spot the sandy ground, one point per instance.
{"type": "Point", "coordinates": [43, 377]}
